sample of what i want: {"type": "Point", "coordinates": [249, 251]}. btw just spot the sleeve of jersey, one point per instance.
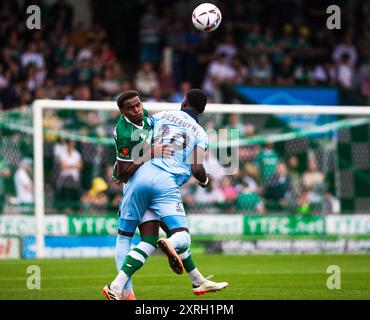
{"type": "Point", "coordinates": [124, 149]}
{"type": "Point", "coordinates": [202, 142]}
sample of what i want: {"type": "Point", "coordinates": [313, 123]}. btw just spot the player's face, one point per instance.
{"type": "Point", "coordinates": [133, 110]}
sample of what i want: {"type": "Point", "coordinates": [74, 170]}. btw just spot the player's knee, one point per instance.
{"type": "Point", "coordinates": [184, 241]}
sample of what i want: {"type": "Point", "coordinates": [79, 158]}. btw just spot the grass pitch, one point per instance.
{"type": "Point", "coordinates": [249, 277]}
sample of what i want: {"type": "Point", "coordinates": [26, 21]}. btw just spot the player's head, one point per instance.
{"type": "Point", "coordinates": [195, 99]}
{"type": "Point", "coordinates": [130, 106]}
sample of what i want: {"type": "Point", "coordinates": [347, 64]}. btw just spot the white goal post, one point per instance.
{"type": "Point", "coordinates": [39, 106]}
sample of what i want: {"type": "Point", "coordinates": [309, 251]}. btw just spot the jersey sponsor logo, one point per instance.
{"type": "Point", "coordinates": [179, 207]}
{"type": "Point", "coordinates": [124, 152]}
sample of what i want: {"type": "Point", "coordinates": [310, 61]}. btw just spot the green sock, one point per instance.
{"type": "Point", "coordinates": [139, 255]}
{"type": "Point", "coordinates": [189, 264]}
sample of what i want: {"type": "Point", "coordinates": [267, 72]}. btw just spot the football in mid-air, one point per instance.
{"type": "Point", "coordinates": [206, 17]}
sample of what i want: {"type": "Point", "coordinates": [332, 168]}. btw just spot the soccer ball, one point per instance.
{"type": "Point", "coordinates": [206, 17]}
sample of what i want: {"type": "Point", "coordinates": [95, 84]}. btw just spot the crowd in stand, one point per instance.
{"type": "Point", "coordinates": [254, 46]}
{"type": "Point", "coordinates": [259, 43]}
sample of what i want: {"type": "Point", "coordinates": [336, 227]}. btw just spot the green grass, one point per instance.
{"type": "Point", "coordinates": [249, 276]}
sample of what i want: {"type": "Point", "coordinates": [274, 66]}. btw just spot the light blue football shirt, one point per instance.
{"type": "Point", "coordinates": [183, 131]}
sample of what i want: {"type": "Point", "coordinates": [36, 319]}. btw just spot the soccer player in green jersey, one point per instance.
{"type": "Point", "coordinates": [132, 136]}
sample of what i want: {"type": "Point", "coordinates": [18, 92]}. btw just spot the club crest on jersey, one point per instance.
{"type": "Point", "coordinates": [124, 152]}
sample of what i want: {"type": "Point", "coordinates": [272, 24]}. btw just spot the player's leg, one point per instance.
{"type": "Point", "coordinates": [179, 239]}
{"type": "Point", "coordinates": [167, 204]}
{"type": "Point", "coordinates": [123, 247]}
{"type": "Point", "coordinates": [137, 256]}
{"type": "Point", "coordinates": [132, 208]}
{"type": "Point", "coordinates": [126, 230]}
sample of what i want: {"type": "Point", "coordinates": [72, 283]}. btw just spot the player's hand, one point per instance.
{"type": "Point", "coordinates": [115, 175]}
{"type": "Point", "coordinates": [207, 183]}
{"type": "Point", "coordinates": [116, 181]}
{"type": "Point", "coordinates": [162, 150]}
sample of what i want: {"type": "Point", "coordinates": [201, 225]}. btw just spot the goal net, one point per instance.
{"type": "Point", "coordinates": [296, 162]}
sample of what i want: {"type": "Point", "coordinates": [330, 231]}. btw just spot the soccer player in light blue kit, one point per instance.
{"type": "Point", "coordinates": [155, 186]}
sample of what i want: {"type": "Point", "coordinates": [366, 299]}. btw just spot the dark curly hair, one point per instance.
{"type": "Point", "coordinates": [126, 95]}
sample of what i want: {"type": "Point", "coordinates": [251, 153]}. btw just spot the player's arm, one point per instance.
{"type": "Point", "coordinates": [197, 167]}
{"type": "Point", "coordinates": [125, 169]}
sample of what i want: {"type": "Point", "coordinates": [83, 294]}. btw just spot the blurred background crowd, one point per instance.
{"type": "Point", "coordinates": [151, 46]}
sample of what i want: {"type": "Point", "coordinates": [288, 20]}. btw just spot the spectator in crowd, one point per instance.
{"type": "Point", "coordinates": [227, 48]}
{"type": "Point", "coordinates": [166, 79]}
{"type": "Point", "coordinates": [209, 197]}
{"type": "Point", "coordinates": [68, 182]}
{"type": "Point", "coordinates": [285, 72]}
{"type": "Point", "coordinates": [213, 166]}
{"type": "Point", "coordinates": [242, 73]}
{"type": "Point", "coordinates": [345, 72]}
{"type": "Point", "coordinates": [150, 32]}
{"type": "Point", "coordinates": [156, 95]}
{"type": "Point", "coordinates": [218, 73]}
{"type": "Point", "coordinates": [177, 40]}
{"type": "Point", "coordinates": [293, 173]}
{"type": "Point", "coordinates": [32, 56]}
{"type": "Point", "coordinates": [84, 72]}
{"type": "Point", "coordinates": [248, 153]}
{"type": "Point", "coordinates": [248, 199]}
{"type": "Point", "coordinates": [253, 39]}
{"type": "Point", "coordinates": [23, 185]}
{"type": "Point", "coordinates": [179, 95]}
{"type": "Point", "coordinates": [346, 48]}
{"type": "Point", "coordinates": [248, 178]}
{"type": "Point", "coordinates": [146, 79]}
{"type": "Point", "coordinates": [228, 190]}
{"type": "Point", "coordinates": [109, 84]}
{"type": "Point", "coordinates": [323, 74]}
{"type": "Point", "coordinates": [233, 122]}
{"type": "Point", "coordinates": [302, 42]}
{"type": "Point", "coordinates": [277, 188]}
{"type": "Point", "coordinates": [267, 161]}
{"type": "Point", "coordinates": [96, 197]}
{"type": "Point", "coordinates": [313, 181]}
{"type": "Point", "coordinates": [204, 55]}
{"type": "Point", "coordinates": [364, 69]}
{"type": "Point", "coordinates": [261, 71]}
{"type": "Point", "coordinates": [287, 40]}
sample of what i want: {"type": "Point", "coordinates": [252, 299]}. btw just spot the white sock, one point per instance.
{"type": "Point", "coordinates": [196, 277]}
{"type": "Point", "coordinates": [139, 254]}
{"type": "Point", "coordinates": [119, 282]}
{"type": "Point", "coordinates": [123, 247]}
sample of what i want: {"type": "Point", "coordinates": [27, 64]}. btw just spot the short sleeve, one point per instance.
{"type": "Point", "coordinates": [124, 148]}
